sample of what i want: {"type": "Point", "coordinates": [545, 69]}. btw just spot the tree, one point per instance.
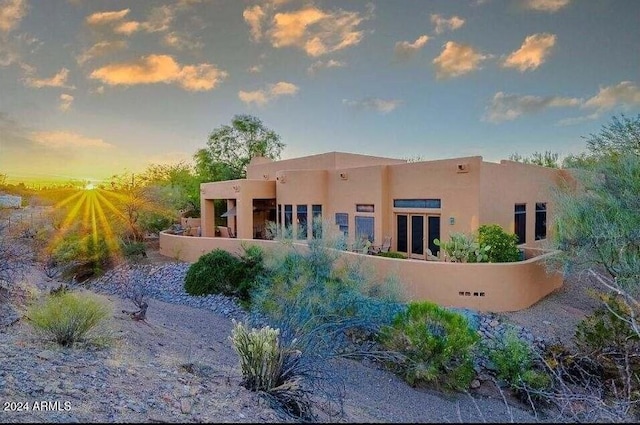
{"type": "Point", "coordinates": [621, 135]}
{"type": "Point", "coordinates": [231, 147]}
{"type": "Point", "coordinates": [546, 159]}
{"type": "Point", "coordinates": [177, 185]}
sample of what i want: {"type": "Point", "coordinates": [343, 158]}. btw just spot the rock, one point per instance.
{"type": "Point", "coordinates": [185, 406]}
{"type": "Point", "coordinates": [46, 355]}
{"type": "Point", "coordinates": [546, 322]}
{"type": "Point", "coordinates": [494, 323]}
{"type": "Point", "coordinates": [475, 384]}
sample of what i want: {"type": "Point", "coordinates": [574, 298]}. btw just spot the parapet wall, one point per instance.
{"type": "Point", "coordinates": [495, 287]}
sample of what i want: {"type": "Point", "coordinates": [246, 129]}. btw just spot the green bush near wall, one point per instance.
{"type": "Point", "coordinates": [503, 246]}
{"type": "Point", "coordinates": [437, 345]}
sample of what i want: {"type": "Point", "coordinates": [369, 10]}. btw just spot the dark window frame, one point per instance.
{"type": "Point", "coordinates": [342, 220]}
{"type": "Point", "coordinates": [541, 221]}
{"type": "Point", "coordinates": [365, 208]}
{"type": "Point", "coordinates": [432, 203]}
{"type": "Point", "coordinates": [520, 222]}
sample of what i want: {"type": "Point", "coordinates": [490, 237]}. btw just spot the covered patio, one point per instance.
{"type": "Point", "coordinates": [251, 204]}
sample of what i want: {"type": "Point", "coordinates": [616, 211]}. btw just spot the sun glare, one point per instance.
{"type": "Point", "coordinates": [89, 186]}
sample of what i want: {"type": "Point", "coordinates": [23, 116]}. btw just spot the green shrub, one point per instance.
{"type": "Point", "coordinates": [392, 254]}
{"type": "Point", "coordinates": [463, 248]}
{"type": "Point", "coordinates": [607, 337]}
{"type": "Point", "coordinates": [502, 246]}
{"type": "Point", "coordinates": [438, 345]}
{"type": "Point", "coordinates": [214, 273]}
{"type": "Point", "coordinates": [133, 250]}
{"type": "Point", "coordinates": [70, 317]}
{"type": "Point", "coordinates": [250, 270]}
{"type": "Point", "coordinates": [511, 357]}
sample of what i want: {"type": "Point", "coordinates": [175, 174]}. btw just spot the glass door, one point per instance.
{"type": "Point", "coordinates": [417, 236]}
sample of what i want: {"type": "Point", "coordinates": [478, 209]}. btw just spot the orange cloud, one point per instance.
{"type": "Point", "coordinates": [443, 24]}
{"type": "Point", "coordinates": [273, 91]}
{"type": "Point", "coordinates": [103, 18]}
{"type": "Point", "coordinates": [456, 60]}
{"type": "Point", "coordinates": [405, 50]}
{"type": "Point", "coordinates": [66, 139]}
{"type": "Point", "coordinates": [100, 49]}
{"type": "Point", "coordinates": [127, 28]}
{"type": "Point", "coordinates": [11, 13]}
{"type": "Point", "coordinates": [65, 102]}
{"type": "Point", "coordinates": [624, 93]}
{"type": "Point", "coordinates": [58, 80]}
{"type": "Point", "coordinates": [160, 69]}
{"type": "Point", "coordinates": [533, 52]}
{"type": "Point", "coordinates": [311, 29]}
{"type": "Point", "coordinates": [546, 5]}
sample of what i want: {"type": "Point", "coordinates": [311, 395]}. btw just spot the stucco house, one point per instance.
{"type": "Point", "coordinates": [412, 203]}
{"type": "Point", "coordinates": [370, 197]}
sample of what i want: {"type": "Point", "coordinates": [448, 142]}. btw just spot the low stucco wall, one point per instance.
{"type": "Point", "coordinates": [495, 287]}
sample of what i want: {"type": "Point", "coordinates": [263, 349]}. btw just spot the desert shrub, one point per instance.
{"type": "Point", "coordinates": [392, 254]}
{"type": "Point", "coordinates": [608, 338]}
{"type": "Point", "coordinates": [155, 222]}
{"type": "Point", "coordinates": [214, 273]}
{"type": "Point", "coordinates": [133, 250]}
{"type": "Point", "coordinates": [70, 317]}
{"type": "Point", "coordinates": [514, 361]}
{"type": "Point", "coordinates": [437, 344]}
{"type": "Point", "coordinates": [502, 246]}
{"type": "Point", "coordinates": [269, 367]}
{"type": "Point", "coordinates": [463, 248]}
{"type": "Point", "coordinates": [250, 270]}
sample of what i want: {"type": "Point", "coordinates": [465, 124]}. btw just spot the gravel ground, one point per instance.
{"type": "Point", "coordinates": [180, 366]}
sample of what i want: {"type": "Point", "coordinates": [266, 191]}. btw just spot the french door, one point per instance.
{"type": "Point", "coordinates": [411, 230]}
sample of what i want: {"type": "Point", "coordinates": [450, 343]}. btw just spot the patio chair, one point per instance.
{"type": "Point", "coordinates": [431, 257]}
{"type": "Point", "coordinates": [385, 247]}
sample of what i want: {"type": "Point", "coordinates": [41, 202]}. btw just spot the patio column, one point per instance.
{"type": "Point", "coordinates": [208, 214]}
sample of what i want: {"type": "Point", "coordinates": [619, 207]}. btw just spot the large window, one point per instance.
{"type": "Point", "coordinates": [316, 212]}
{"type": "Point", "coordinates": [288, 216]}
{"type": "Point", "coordinates": [302, 222]}
{"type": "Point", "coordinates": [541, 220]}
{"type": "Point", "coordinates": [342, 220]}
{"type": "Point", "coordinates": [520, 222]}
{"type": "Point", "coordinates": [417, 203]}
{"type": "Point", "coordinates": [364, 228]}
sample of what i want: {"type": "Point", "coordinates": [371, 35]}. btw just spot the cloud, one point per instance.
{"type": "Point", "coordinates": [534, 51]}
{"type": "Point", "coordinates": [106, 18]}
{"type": "Point", "coordinates": [331, 63]}
{"type": "Point", "coordinates": [127, 28]}
{"type": "Point", "coordinates": [68, 139]}
{"type": "Point", "coordinates": [456, 60]}
{"type": "Point", "coordinates": [181, 41]}
{"type": "Point", "coordinates": [100, 49]}
{"type": "Point", "coordinates": [160, 18]}
{"type": "Point", "coordinates": [443, 24]}
{"type": "Point", "coordinates": [11, 13]}
{"type": "Point", "coordinates": [508, 107]}
{"type": "Point", "coordinates": [254, 17]}
{"type": "Point", "coordinates": [65, 102]}
{"type": "Point", "coordinates": [58, 80]}
{"type": "Point", "coordinates": [315, 31]}
{"type": "Point", "coordinates": [624, 93]}
{"type": "Point", "coordinates": [160, 69]}
{"type": "Point", "coordinates": [550, 6]}
{"type": "Point", "coordinates": [255, 69]}
{"type": "Point", "coordinates": [13, 48]}
{"type": "Point", "coordinates": [271, 92]}
{"type": "Point", "coordinates": [405, 51]}
{"type": "Point", "coordinates": [384, 106]}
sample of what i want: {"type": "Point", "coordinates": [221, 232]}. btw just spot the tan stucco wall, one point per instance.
{"type": "Point", "coordinates": [508, 183]}
{"type": "Point", "coordinates": [264, 169]}
{"type": "Point", "coordinates": [506, 286]}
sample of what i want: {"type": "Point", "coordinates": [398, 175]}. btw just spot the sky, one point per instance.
{"type": "Point", "coordinates": [92, 88]}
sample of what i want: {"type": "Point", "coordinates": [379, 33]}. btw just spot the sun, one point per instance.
{"type": "Point", "coordinates": [89, 186]}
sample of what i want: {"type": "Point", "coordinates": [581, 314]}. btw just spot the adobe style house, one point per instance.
{"type": "Point", "coordinates": [377, 198]}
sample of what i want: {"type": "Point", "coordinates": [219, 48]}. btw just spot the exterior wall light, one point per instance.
{"type": "Point", "coordinates": [452, 220]}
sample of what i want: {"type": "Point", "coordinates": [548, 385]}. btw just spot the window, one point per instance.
{"type": "Point", "coordinates": [279, 216]}
{"type": "Point", "coordinates": [520, 222]}
{"type": "Point", "coordinates": [365, 208]}
{"type": "Point", "coordinates": [364, 228]}
{"type": "Point", "coordinates": [541, 220]}
{"type": "Point", "coordinates": [342, 220]}
{"type": "Point", "coordinates": [417, 203]}
{"type": "Point", "coordinates": [316, 212]}
{"type": "Point", "coordinates": [288, 216]}
{"type": "Point", "coordinates": [302, 222]}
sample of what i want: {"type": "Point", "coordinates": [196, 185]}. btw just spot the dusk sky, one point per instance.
{"type": "Point", "coordinates": [91, 88]}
